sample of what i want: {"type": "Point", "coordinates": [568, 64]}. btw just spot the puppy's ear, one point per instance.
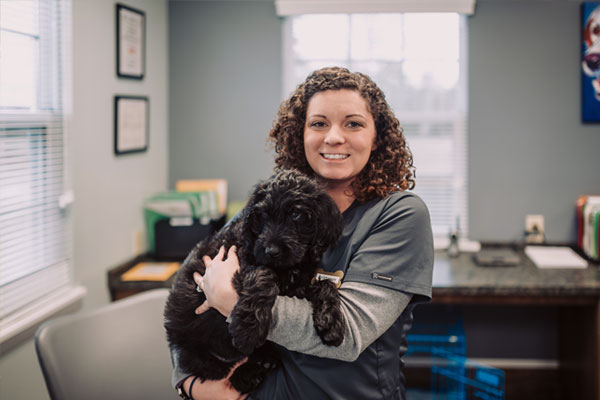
{"type": "Point", "coordinates": [250, 220]}
{"type": "Point", "coordinates": [247, 237]}
{"type": "Point", "coordinates": [332, 224]}
{"type": "Point", "coordinates": [259, 192]}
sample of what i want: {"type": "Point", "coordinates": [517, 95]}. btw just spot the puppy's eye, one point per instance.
{"type": "Point", "coordinates": [298, 216]}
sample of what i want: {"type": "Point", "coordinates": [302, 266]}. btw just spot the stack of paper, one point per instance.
{"type": "Point", "coordinates": [151, 271]}
{"type": "Point", "coordinates": [555, 257]}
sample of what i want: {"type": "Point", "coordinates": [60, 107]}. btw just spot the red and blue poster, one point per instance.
{"type": "Point", "coordinates": [590, 62]}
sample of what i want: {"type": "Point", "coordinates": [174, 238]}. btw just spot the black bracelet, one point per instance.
{"type": "Point", "coordinates": [181, 392]}
{"type": "Point", "coordinates": [181, 389]}
{"type": "Point", "coordinates": [190, 388]}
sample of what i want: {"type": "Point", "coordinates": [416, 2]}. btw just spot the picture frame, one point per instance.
{"type": "Point", "coordinates": [131, 124]}
{"type": "Point", "coordinates": [131, 42]}
{"type": "Point", "coordinates": [590, 62]}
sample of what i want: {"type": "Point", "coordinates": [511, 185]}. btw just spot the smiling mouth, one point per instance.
{"type": "Point", "coordinates": [331, 156]}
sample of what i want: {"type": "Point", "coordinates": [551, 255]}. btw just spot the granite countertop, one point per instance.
{"type": "Point", "coordinates": [461, 276]}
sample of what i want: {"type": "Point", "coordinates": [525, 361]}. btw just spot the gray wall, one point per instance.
{"type": "Point", "coordinates": [528, 151]}
{"type": "Point", "coordinates": [225, 80]}
{"type": "Point", "coordinates": [108, 190]}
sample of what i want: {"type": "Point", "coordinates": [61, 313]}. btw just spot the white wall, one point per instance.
{"type": "Point", "coordinates": [108, 190]}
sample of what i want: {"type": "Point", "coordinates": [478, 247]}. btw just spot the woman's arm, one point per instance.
{"type": "Point", "coordinates": [369, 311]}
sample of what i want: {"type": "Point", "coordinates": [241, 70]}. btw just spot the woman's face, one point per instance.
{"type": "Point", "coordinates": [339, 134]}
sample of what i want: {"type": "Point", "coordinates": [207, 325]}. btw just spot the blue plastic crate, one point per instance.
{"type": "Point", "coordinates": [458, 378]}
{"type": "Point", "coordinates": [423, 338]}
{"type": "Point", "coordinates": [453, 375]}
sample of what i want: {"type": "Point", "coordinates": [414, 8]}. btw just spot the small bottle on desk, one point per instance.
{"type": "Point", "coordinates": [453, 250]}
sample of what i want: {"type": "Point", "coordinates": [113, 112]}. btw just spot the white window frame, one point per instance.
{"type": "Point", "coordinates": [459, 221]}
{"type": "Point", "coordinates": [46, 291]}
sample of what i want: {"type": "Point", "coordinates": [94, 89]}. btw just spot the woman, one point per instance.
{"type": "Point", "coordinates": [338, 127]}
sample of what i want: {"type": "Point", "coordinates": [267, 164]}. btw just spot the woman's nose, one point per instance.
{"type": "Point", "coordinates": [334, 136]}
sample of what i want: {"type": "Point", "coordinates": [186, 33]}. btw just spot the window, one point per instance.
{"type": "Point", "coordinates": [35, 243]}
{"type": "Point", "coordinates": [419, 61]}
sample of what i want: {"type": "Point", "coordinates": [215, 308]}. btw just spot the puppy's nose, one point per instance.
{"type": "Point", "coordinates": [272, 251]}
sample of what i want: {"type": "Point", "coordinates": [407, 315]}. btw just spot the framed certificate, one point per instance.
{"type": "Point", "coordinates": [131, 42]}
{"type": "Point", "coordinates": [131, 124]}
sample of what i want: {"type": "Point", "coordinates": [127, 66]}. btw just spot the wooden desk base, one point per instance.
{"type": "Point", "coordinates": [578, 375]}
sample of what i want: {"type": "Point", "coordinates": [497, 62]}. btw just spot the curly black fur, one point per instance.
{"type": "Point", "coordinates": [281, 234]}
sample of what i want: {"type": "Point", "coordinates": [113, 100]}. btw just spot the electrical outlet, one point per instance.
{"type": "Point", "coordinates": [534, 228]}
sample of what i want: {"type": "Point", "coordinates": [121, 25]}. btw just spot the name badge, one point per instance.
{"type": "Point", "coordinates": [334, 277]}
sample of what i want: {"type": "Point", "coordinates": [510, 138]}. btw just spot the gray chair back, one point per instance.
{"type": "Point", "coordinates": [118, 351]}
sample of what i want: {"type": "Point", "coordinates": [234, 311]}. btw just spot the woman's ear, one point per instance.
{"type": "Point", "coordinates": [374, 147]}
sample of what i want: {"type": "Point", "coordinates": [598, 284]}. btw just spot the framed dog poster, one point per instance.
{"type": "Point", "coordinates": [131, 124]}
{"type": "Point", "coordinates": [131, 42]}
{"type": "Point", "coordinates": [590, 62]}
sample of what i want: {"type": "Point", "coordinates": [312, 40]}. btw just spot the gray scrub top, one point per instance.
{"type": "Point", "coordinates": [386, 242]}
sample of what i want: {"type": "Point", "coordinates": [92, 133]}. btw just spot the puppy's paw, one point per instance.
{"type": "Point", "coordinates": [331, 335]}
{"type": "Point", "coordinates": [327, 314]}
{"type": "Point", "coordinates": [251, 316]}
{"type": "Point", "coordinates": [245, 343]}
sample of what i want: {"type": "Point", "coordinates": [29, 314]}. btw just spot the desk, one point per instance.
{"type": "Point", "coordinates": [458, 281]}
{"type": "Point", "coordinates": [119, 289]}
{"type": "Point", "coordinates": [576, 293]}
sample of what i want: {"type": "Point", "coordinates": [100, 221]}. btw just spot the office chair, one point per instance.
{"type": "Point", "coordinates": [118, 351]}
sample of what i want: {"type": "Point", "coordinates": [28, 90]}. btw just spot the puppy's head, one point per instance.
{"type": "Point", "coordinates": [289, 218]}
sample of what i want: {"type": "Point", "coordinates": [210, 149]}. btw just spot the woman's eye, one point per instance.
{"type": "Point", "coordinates": [354, 124]}
{"type": "Point", "coordinates": [317, 124]}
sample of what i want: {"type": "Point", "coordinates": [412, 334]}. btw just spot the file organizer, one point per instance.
{"type": "Point", "coordinates": [588, 225]}
{"type": "Point", "coordinates": [176, 221]}
{"type": "Point", "coordinates": [453, 375]}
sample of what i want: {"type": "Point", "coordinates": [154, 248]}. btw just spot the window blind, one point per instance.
{"type": "Point", "coordinates": [419, 61]}
{"type": "Point", "coordinates": [35, 229]}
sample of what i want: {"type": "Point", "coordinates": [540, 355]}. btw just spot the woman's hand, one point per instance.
{"type": "Point", "coordinates": [214, 390]}
{"type": "Point", "coordinates": [216, 282]}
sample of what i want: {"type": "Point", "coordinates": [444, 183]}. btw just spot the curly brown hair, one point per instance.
{"type": "Point", "coordinates": [390, 165]}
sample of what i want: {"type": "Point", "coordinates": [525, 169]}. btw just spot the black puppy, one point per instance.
{"type": "Point", "coordinates": [280, 236]}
